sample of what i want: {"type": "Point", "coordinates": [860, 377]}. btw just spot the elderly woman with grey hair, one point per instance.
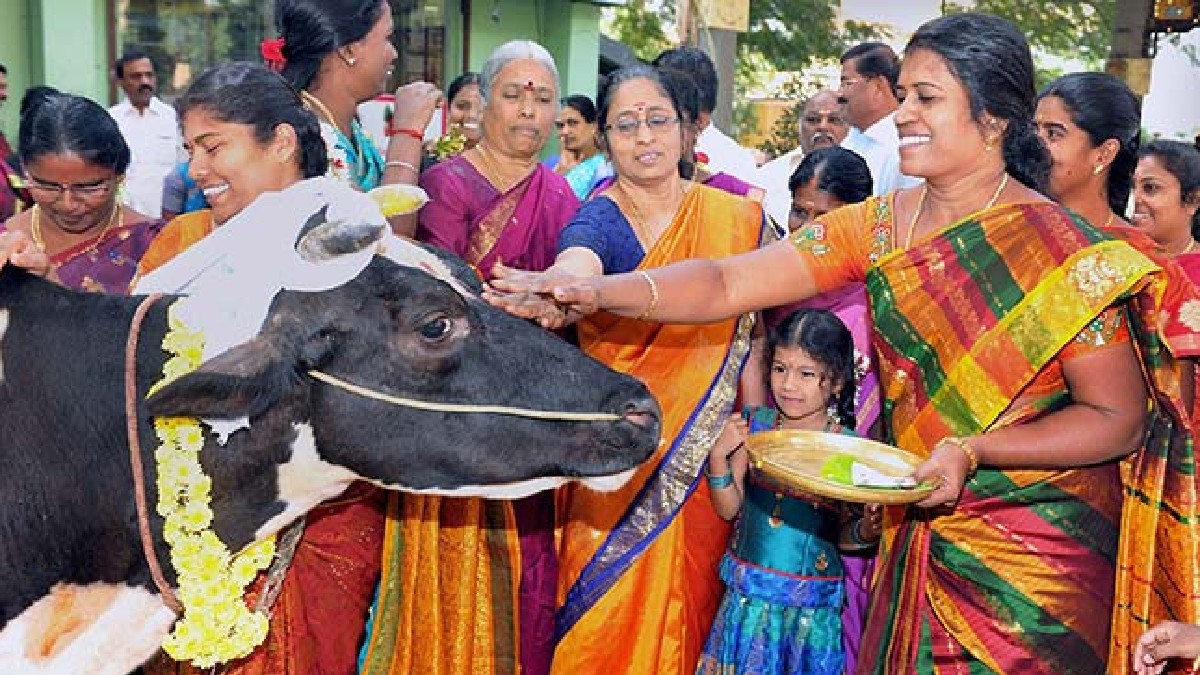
{"type": "Point", "coordinates": [469, 584]}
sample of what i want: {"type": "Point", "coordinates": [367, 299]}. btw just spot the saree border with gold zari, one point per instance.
{"type": "Point", "coordinates": [467, 583]}
{"type": "Point", "coordinates": [638, 567]}
{"type": "Point", "coordinates": [996, 297]}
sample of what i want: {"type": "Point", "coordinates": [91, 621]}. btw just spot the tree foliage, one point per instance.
{"type": "Point", "coordinates": [1077, 30]}
{"type": "Point", "coordinates": [641, 27]}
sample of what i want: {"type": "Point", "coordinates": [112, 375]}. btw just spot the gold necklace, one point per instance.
{"type": "Point", "coordinates": [317, 107]}
{"type": "Point", "coordinates": [912, 226]}
{"type": "Point", "coordinates": [1189, 248]}
{"type": "Point", "coordinates": [35, 229]}
{"type": "Point", "coordinates": [492, 171]}
{"type": "Point", "coordinates": [640, 228]}
{"type": "Point", "coordinates": [1111, 215]}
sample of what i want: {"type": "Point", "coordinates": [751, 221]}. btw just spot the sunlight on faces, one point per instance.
{"type": "Point", "coordinates": [1074, 158]}
{"type": "Point", "coordinates": [518, 118]}
{"type": "Point", "coordinates": [88, 199]}
{"type": "Point", "coordinates": [647, 155]}
{"type": "Point", "coordinates": [810, 203]}
{"type": "Point", "coordinates": [374, 56]}
{"type": "Point", "coordinates": [465, 110]}
{"type": "Point", "coordinates": [1159, 208]}
{"type": "Point", "coordinates": [823, 122]}
{"type": "Point", "coordinates": [802, 387]}
{"type": "Point", "coordinates": [938, 137]}
{"type": "Point", "coordinates": [232, 167]}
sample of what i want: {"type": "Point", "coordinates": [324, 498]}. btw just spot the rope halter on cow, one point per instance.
{"type": "Point", "coordinates": [554, 415]}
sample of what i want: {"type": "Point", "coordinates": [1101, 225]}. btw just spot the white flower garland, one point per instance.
{"type": "Point", "coordinates": [217, 626]}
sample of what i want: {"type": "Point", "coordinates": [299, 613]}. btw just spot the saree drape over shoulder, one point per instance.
{"type": "Point", "coordinates": [108, 264]}
{"type": "Point", "coordinates": [972, 326]}
{"type": "Point", "coordinates": [467, 586]}
{"type": "Point", "coordinates": [317, 619]}
{"type": "Point", "coordinates": [638, 567]}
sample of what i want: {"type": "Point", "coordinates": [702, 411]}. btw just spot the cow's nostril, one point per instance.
{"type": "Point", "coordinates": [642, 412]}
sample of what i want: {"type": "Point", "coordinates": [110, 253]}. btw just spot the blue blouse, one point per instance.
{"type": "Point", "coordinates": [600, 227]}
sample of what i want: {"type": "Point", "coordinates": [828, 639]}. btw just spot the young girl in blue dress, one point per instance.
{"type": "Point", "coordinates": [782, 610]}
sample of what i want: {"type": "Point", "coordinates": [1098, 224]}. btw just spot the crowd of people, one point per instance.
{"type": "Point", "coordinates": [998, 280]}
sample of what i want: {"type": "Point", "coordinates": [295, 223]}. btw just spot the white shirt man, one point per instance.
{"type": "Point", "coordinates": [868, 83]}
{"type": "Point", "coordinates": [822, 125]}
{"type": "Point", "coordinates": [151, 129]}
{"type": "Point", "coordinates": [725, 155]}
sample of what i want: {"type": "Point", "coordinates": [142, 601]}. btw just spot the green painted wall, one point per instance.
{"type": "Point", "coordinates": [62, 43]}
{"type": "Point", "coordinates": [570, 31]}
{"type": "Point", "coordinates": [15, 29]}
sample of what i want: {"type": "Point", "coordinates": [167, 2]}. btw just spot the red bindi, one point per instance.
{"type": "Point", "coordinates": [529, 85]}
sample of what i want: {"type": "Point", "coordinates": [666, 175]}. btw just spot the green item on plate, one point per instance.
{"type": "Point", "coordinates": [837, 469]}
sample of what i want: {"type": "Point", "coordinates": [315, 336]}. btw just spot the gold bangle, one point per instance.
{"type": "Point", "coordinates": [653, 296]}
{"type": "Point", "coordinates": [972, 456]}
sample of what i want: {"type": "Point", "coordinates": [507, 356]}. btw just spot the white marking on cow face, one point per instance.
{"type": "Point", "coordinates": [3, 330]}
{"type": "Point", "coordinates": [521, 488]}
{"type": "Point", "coordinates": [99, 629]}
{"type": "Point", "coordinates": [304, 481]}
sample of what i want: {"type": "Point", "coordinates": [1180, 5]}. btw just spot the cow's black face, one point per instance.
{"type": "Point", "coordinates": [400, 332]}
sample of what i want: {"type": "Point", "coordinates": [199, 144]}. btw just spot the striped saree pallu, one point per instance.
{"type": "Point", "coordinates": [1018, 578]}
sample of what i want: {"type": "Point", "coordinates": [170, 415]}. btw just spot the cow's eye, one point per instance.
{"type": "Point", "coordinates": [436, 329]}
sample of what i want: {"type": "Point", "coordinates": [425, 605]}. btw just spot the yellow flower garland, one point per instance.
{"type": "Point", "coordinates": [217, 626]}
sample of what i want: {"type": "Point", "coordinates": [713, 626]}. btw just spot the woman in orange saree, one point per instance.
{"type": "Point", "coordinates": [468, 584]}
{"type": "Point", "coordinates": [1017, 345]}
{"type": "Point", "coordinates": [638, 567]}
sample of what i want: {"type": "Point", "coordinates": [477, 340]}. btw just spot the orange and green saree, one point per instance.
{"type": "Point", "coordinates": [1034, 571]}
{"type": "Point", "coordinates": [638, 567]}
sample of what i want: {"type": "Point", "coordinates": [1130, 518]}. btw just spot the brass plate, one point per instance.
{"type": "Point", "coordinates": [794, 459]}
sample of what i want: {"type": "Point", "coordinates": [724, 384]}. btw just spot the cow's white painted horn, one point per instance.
{"type": "Point", "coordinates": [324, 237]}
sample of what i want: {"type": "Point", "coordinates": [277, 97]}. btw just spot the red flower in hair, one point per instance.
{"type": "Point", "coordinates": [272, 53]}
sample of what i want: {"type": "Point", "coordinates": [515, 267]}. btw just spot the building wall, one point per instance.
{"type": "Point", "coordinates": [570, 31]}
{"type": "Point", "coordinates": [60, 42]}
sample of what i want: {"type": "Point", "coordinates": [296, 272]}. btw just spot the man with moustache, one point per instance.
{"type": "Point", "coordinates": [868, 90]}
{"type": "Point", "coordinates": [822, 125]}
{"type": "Point", "coordinates": [151, 129]}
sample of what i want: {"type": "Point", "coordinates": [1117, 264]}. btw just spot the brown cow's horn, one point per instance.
{"type": "Point", "coordinates": [322, 239]}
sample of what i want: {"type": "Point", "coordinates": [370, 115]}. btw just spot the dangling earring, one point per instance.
{"type": "Point", "coordinates": [1097, 169]}
{"type": "Point", "coordinates": [831, 412]}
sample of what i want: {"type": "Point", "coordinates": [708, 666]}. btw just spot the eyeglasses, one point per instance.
{"type": "Point", "coordinates": [51, 192]}
{"type": "Point", "coordinates": [628, 126]}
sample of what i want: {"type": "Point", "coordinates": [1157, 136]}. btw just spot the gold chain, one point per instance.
{"type": "Point", "coordinates": [640, 228]}
{"type": "Point", "coordinates": [492, 171]}
{"type": "Point", "coordinates": [912, 226]}
{"type": "Point", "coordinates": [317, 107]}
{"type": "Point", "coordinates": [35, 228]}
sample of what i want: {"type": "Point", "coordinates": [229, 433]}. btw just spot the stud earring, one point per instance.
{"type": "Point", "coordinates": [1097, 169]}
{"type": "Point", "coordinates": [831, 412]}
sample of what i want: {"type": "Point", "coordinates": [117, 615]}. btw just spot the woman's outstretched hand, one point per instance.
{"type": "Point", "coordinates": [553, 298]}
{"type": "Point", "coordinates": [16, 248]}
{"type": "Point", "coordinates": [948, 468]}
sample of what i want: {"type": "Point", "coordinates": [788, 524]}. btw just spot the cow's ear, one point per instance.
{"type": "Point", "coordinates": [242, 382]}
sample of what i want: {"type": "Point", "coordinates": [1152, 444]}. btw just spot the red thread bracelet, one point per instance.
{"type": "Point", "coordinates": [411, 133]}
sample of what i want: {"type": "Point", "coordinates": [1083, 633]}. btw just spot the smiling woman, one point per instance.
{"type": "Point", "coordinates": [957, 272]}
{"type": "Point", "coordinates": [75, 158]}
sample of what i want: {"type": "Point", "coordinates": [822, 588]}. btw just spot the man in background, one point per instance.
{"type": "Point", "coordinates": [868, 90]}
{"type": "Point", "coordinates": [822, 125]}
{"type": "Point", "coordinates": [151, 129]}
{"type": "Point", "coordinates": [719, 152]}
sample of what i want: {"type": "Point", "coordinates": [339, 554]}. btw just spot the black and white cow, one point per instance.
{"type": "Point", "coordinates": [75, 589]}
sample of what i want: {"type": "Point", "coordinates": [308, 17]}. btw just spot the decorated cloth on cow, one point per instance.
{"type": "Point", "coordinates": [638, 577]}
{"type": "Point", "coordinates": [966, 347]}
{"type": "Point", "coordinates": [233, 271]}
{"type": "Point", "coordinates": [468, 584]}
